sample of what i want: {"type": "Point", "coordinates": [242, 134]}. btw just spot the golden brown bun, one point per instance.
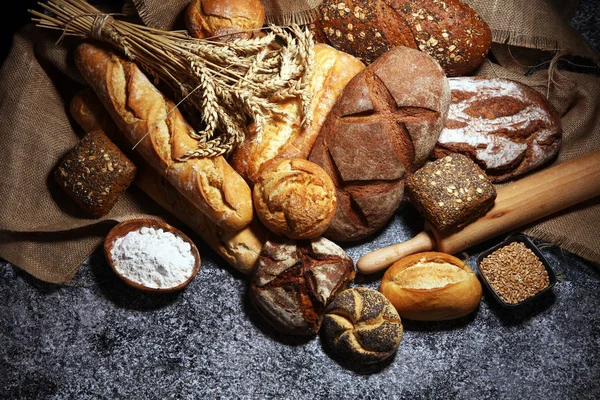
{"type": "Point", "coordinates": [286, 138]}
{"type": "Point", "coordinates": [240, 248]}
{"type": "Point", "coordinates": [224, 19]}
{"type": "Point", "coordinates": [294, 198]}
{"type": "Point", "coordinates": [431, 286]}
{"type": "Point", "coordinates": [153, 122]}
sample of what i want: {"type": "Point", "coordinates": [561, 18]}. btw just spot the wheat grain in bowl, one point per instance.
{"type": "Point", "coordinates": [151, 255]}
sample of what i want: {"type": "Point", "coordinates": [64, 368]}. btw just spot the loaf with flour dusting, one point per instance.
{"type": "Point", "coordinates": [506, 127]}
{"type": "Point", "coordinates": [154, 125]}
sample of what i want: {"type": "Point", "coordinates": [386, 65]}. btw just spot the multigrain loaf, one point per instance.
{"type": "Point", "coordinates": [382, 127]}
{"type": "Point", "coordinates": [286, 137]}
{"type": "Point", "coordinates": [506, 127]}
{"type": "Point", "coordinates": [431, 286]}
{"type": "Point", "coordinates": [239, 248]}
{"type": "Point", "coordinates": [224, 19]}
{"type": "Point", "coordinates": [294, 197]}
{"type": "Point", "coordinates": [295, 280]}
{"type": "Point", "coordinates": [158, 131]}
{"type": "Point", "coordinates": [450, 31]}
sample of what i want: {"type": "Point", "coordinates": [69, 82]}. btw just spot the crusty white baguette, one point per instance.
{"type": "Point", "coordinates": [153, 123]}
{"type": "Point", "coordinates": [288, 138]}
{"type": "Point", "coordinates": [240, 248]}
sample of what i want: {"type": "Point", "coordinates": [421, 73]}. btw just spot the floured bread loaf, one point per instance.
{"type": "Point", "coordinates": [506, 127]}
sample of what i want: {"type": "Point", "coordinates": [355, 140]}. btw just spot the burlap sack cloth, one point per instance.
{"type": "Point", "coordinates": [44, 233]}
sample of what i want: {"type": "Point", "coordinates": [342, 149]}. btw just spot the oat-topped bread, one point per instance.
{"type": "Point", "coordinates": [450, 31]}
{"type": "Point", "coordinates": [451, 192]}
{"type": "Point", "coordinates": [506, 127]}
{"type": "Point", "coordinates": [95, 173]}
{"type": "Point", "coordinates": [362, 326]}
{"type": "Point", "coordinates": [383, 126]}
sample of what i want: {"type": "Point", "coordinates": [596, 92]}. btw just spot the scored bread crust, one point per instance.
{"type": "Point", "coordinates": [434, 294]}
{"type": "Point", "coordinates": [239, 248]}
{"type": "Point", "coordinates": [162, 135]}
{"type": "Point", "coordinates": [232, 18]}
{"type": "Point", "coordinates": [286, 138]}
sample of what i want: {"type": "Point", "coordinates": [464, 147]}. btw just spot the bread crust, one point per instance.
{"type": "Point", "coordinates": [224, 19]}
{"type": "Point", "coordinates": [153, 124]}
{"type": "Point", "coordinates": [421, 291]}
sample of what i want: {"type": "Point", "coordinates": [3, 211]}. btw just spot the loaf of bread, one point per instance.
{"type": "Point", "coordinates": [431, 286]}
{"type": "Point", "coordinates": [224, 19]}
{"type": "Point", "coordinates": [95, 173]}
{"type": "Point", "coordinates": [450, 31]}
{"type": "Point", "coordinates": [153, 124]}
{"type": "Point", "coordinates": [451, 192]}
{"type": "Point", "coordinates": [294, 197]}
{"type": "Point", "coordinates": [383, 127]}
{"type": "Point", "coordinates": [361, 326]}
{"type": "Point", "coordinates": [295, 280]}
{"type": "Point", "coordinates": [286, 137]}
{"type": "Point", "coordinates": [240, 248]}
{"type": "Point", "coordinates": [506, 127]}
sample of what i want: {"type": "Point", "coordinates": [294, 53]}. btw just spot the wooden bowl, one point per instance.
{"type": "Point", "coordinates": [125, 227]}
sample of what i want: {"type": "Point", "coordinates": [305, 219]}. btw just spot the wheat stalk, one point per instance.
{"type": "Point", "coordinates": [231, 84]}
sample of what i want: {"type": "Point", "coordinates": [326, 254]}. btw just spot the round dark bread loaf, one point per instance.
{"type": "Point", "coordinates": [383, 126]}
{"type": "Point", "coordinates": [506, 127]}
{"type": "Point", "coordinates": [295, 280]}
{"type": "Point", "coordinates": [362, 326]}
{"type": "Point", "coordinates": [450, 31]}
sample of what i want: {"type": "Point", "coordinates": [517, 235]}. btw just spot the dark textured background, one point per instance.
{"type": "Point", "coordinates": [99, 339]}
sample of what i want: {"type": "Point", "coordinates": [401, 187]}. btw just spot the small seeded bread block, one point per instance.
{"type": "Point", "coordinates": [431, 286]}
{"type": "Point", "coordinates": [451, 192]}
{"type": "Point", "coordinates": [95, 173]}
{"type": "Point", "coordinates": [362, 326]}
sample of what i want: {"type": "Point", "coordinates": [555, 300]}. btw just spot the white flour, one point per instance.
{"type": "Point", "coordinates": [153, 258]}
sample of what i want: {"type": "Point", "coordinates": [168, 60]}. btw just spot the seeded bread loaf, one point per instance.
{"type": "Point", "coordinates": [361, 326]}
{"type": "Point", "coordinates": [451, 192]}
{"type": "Point", "coordinates": [431, 286]}
{"type": "Point", "coordinates": [382, 127]}
{"type": "Point", "coordinates": [95, 173]}
{"type": "Point", "coordinates": [506, 127]}
{"type": "Point", "coordinates": [286, 137]}
{"type": "Point", "coordinates": [450, 31]}
{"type": "Point", "coordinates": [295, 280]}
{"type": "Point", "coordinates": [152, 123]}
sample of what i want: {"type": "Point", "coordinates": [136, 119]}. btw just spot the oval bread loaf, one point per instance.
{"type": "Point", "coordinates": [152, 122]}
{"type": "Point", "coordinates": [504, 126]}
{"type": "Point", "coordinates": [383, 126]}
{"type": "Point", "coordinates": [450, 31]}
{"type": "Point", "coordinates": [224, 19]}
{"type": "Point", "coordinates": [431, 286]}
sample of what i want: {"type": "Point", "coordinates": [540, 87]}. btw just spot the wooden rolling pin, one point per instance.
{"type": "Point", "coordinates": [517, 204]}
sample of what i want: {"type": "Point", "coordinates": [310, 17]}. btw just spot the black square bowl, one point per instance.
{"type": "Point", "coordinates": [530, 245]}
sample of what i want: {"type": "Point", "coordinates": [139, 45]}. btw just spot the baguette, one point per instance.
{"type": "Point", "coordinates": [239, 248]}
{"type": "Point", "coordinates": [153, 123]}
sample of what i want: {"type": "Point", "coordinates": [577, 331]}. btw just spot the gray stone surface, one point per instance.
{"type": "Point", "coordinates": [100, 339]}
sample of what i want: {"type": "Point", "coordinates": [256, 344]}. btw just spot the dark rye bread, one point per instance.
{"type": "Point", "coordinates": [450, 31]}
{"type": "Point", "coordinates": [295, 280]}
{"type": "Point", "coordinates": [506, 127]}
{"type": "Point", "coordinates": [362, 326]}
{"type": "Point", "coordinates": [383, 126]}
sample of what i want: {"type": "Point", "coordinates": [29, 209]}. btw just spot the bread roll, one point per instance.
{"type": "Point", "coordinates": [239, 248]}
{"type": "Point", "coordinates": [224, 19]}
{"type": "Point", "coordinates": [294, 198]}
{"type": "Point", "coordinates": [431, 286]}
{"type": "Point", "coordinates": [295, 280]}
{"type": "Point", "coordinates": [450, 31]}
{"type": "Point", "coordinates": [361, 326]}
{"type": "Point", "coordinates": [506, 127]}
{"type": "Point", "coordinates": [153, 123]}
{"type": "Point", "coordinates": [382, 127]}
{"type": "Point", "coordinates": [286, 138]}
